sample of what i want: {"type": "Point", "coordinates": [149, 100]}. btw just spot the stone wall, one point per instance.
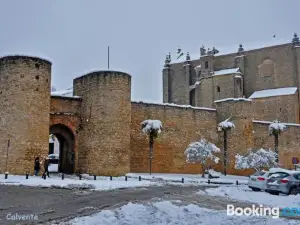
{"type": "Point", "coordinates": [65, 105]}
{"type": "Point", "coordinates": [24, 115]}
{"type": "Point", "coordinates": [284, 108]}
{"type": "Point", "coordinates": [104, 140]}
{"type": "Point", "coordinates": [181, 126]}
{"type": "Point", "coordinates": [226, 84]}
{"type": "Point", "coordinates": [289, 144]}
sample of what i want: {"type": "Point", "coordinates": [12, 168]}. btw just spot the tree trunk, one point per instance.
{"type": "Point", "coordinates": [276, 146]}
{"type": "Point", "coordinates": [203, 170]}
{"type": "Point", "coordinates": [225, 152]}
{"type": "Point", "coordinates": [150, 152]}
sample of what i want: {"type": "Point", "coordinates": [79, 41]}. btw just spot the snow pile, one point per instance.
{"type": "Point", "coordinates": [166, 212]}
{"type": "Point", "coordinates": [214, 173]}
{"type": "Point", "coordinates": [226, 124]}
{"type": "Point", "coordinates": [234, 99]}
{"type": "Point", "coordinates": [276, 127]}
{"type": "Point", "coordinates": [149, 126]}
{"type": "Point", "coordinates": [274, 92]}
{"type": "Point", "coordinates": [243, 193]}
{"type": "Point", "coordinates": [256, 160]}
{"type": "Point", "coordinates": [102, 183]}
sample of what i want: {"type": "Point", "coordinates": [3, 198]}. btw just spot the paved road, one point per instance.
{"type": "Point", "coordinates": [62, 204]}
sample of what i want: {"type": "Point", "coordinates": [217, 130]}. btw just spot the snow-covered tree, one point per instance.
{"type": "Point", "coordinates": [200, 152]}
{"type": "Point", "coordinates": [275, 129]}
{"type": "Point", "coordinates": [257, 160]}
{"type": "Point", "coordinates": [152, 128]}
{"type": "Point", "coordinates": [225, 126]}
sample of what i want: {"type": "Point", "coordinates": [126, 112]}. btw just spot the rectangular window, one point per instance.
{"type": "Point", "coordinates": [206, 64]}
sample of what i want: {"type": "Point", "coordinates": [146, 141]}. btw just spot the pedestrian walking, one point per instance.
{"type": "Point", "coordinates": [46, 165]}
{"type": "Point", "coordinates": [37, 166]}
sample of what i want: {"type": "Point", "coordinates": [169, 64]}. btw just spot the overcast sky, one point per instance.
{"type": "Point", "coordinates": [74, 34]}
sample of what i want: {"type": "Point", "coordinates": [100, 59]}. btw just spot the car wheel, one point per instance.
{"type": "Point", "coordinates": [294, 190]}
{"type": "Point", "coordinates": [255, 189]}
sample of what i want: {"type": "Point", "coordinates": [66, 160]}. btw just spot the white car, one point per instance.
{"type": "Point", "coordinates": [258, 180]}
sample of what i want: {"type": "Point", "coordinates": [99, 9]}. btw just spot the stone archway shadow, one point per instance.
{"type": "Point", "coordinates": [66, 140]}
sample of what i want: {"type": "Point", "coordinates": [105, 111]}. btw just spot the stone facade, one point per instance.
{"type": "Point", "coordinates": [213, 77]}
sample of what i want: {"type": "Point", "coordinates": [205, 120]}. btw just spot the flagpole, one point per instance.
{"type": "Point", "coordinates": [108, 57]}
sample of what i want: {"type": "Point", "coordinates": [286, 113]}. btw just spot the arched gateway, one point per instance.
{"type": "Point", "coordinates": [66, 141]}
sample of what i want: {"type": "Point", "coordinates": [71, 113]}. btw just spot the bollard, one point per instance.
{"type": "Point", "coordinates": [27, 176]}
{"type": "Point", "coordinates": [95, 177]}
{"type": "Point", "coordinates": [110, 177]}
{"type": "Point", "coordinates": [6, 175]}
{"type": "Point", "coordinates": [237, 182]}
{"type": "Point", "coordinates": [80, 177]}
{"type": "Point", "coordinates": [182, 180]}
{"type": "Point", "coordinates": [62, 176]}
{"type": "Point", "coordinates": [125, 178]}
{"type": "Point", "coordinates": [208, 181]}
{"type": "Point", "coordinates": [140, 178]}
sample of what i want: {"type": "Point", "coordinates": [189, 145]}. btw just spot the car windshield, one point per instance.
{"type": "Point", "coordinates": [259, 173]}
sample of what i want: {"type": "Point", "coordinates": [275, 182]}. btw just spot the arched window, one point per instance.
{"type": "Point", "coordinates": [206, 65]}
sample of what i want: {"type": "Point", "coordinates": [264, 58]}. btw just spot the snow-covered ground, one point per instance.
{"type": "Point", "coordinates": [243, 193]}
{"type": "Point", "coordinates": [166, 212]}
{"type": "Point", "coordinates": [190, 178]}
{"type": "Point", "coordinates": [102, 183]}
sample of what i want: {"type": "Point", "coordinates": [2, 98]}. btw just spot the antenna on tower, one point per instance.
{"type": "Point", "coordinates": [108, 57]}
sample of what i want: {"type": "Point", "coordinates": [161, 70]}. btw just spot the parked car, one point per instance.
{"type": "Point", "coordinates": [258, 180]}
{"type": "Point", "coordinates": [53, 162]}
{"type": "Point", "coordinates": [285, 182]}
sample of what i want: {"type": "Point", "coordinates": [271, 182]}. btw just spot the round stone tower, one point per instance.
{"type": "Point", "coordinates": [104, 137]}
{"type": "Point", "coordinates": [24, 115]}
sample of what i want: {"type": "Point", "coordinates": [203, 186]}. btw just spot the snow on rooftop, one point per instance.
{"type": "Point", "coordinates": [274, 92]}
{"type": "Point", "coordinates": [233, 99]}
{"type": "Point", "coordinates": [175, 105]}
{"type": "Point", "coordinates": [269, 122]}
{"type": "Point", "coordinates": [227, 71]}
{"type": "Point", "coordinates": [64, 93]}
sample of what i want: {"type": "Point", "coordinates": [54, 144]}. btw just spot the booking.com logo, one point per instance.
{"type": "Point", "coordinates": [275, 212]}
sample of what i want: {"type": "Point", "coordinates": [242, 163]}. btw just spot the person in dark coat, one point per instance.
{"type": "Point", "coordinates": [46, 165]}
{"type": "Point", "coordinates": [37, 166]}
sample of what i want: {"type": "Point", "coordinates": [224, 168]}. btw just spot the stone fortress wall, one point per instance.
{"type": "Point", "coordinates": [106, 125]}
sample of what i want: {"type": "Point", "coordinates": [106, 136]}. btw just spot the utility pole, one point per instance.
{"type": "Point", "coordinates": [8, 144]}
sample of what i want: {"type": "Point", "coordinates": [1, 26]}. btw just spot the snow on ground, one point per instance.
{"type": "Point", "coordinates": [243, 193]}
{"type": "Point", "coordinates": [102, 183]}
{"type": "Point", "coordinates": [189, 178]}
{"type": "Point", "coordinates": [165, 212]}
